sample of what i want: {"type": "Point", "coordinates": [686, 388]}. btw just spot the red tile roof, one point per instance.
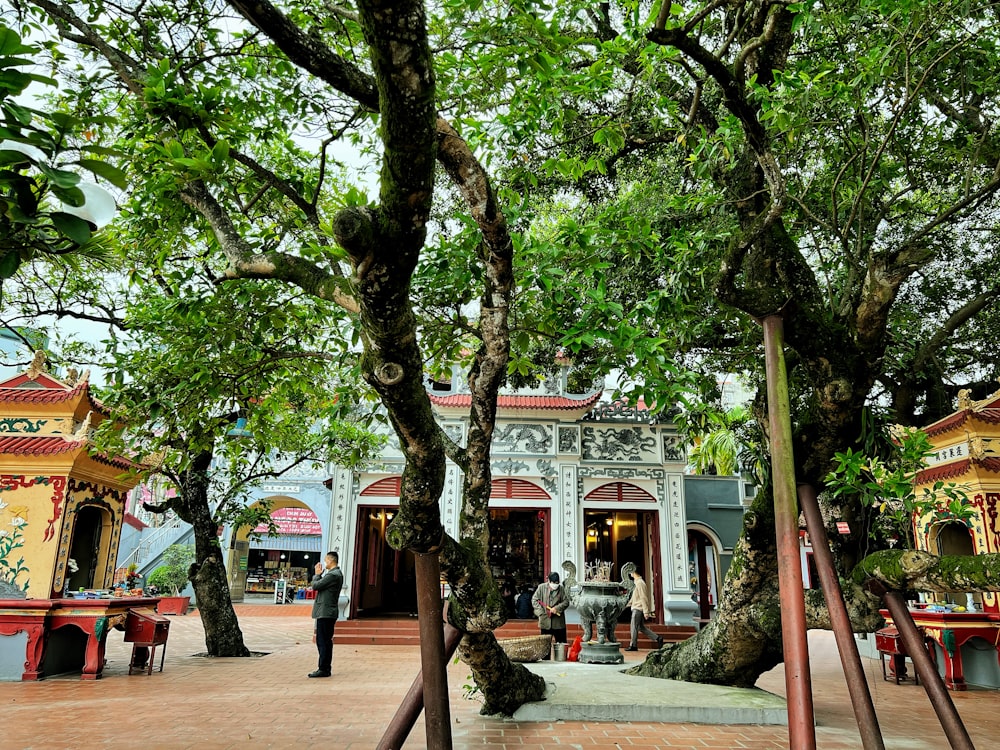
{"type": "Point", "coordinates": [943, 471]}
{"type": "Point", "coordinates": [990, 415]}
{"type": "Point", "coordinates": [550, 403]}
{"type": "Point", "coordinates": [49, 395]}
{"type": "Point", "coordinates": [954, 469]}
{"type": "Point", "coordinates": [50, 445]}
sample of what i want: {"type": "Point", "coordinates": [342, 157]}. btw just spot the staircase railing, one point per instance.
{"type": "Point", "coordinates": [153, 544]}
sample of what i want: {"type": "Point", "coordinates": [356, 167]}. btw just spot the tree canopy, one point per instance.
{"type": "Point", "coordinates": [634, 185]}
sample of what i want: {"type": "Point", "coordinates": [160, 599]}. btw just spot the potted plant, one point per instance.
{"type": "Point", "coordinates": [172, 576]}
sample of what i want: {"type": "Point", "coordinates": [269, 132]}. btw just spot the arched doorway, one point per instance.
{"type": "Point", "coordinates": [703, 566]}
{"type": "Point", "coordinates": [258, 561]}
{"type": "Point", "coordinates": [955, 538]}
{"type": "Point", "coordinates": [89, 526]}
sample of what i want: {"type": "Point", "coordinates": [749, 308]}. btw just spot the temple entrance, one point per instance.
{"type": "Point", "coordinates": [85, 549]}
{"type": "Point", "coordinates": [703, 566]}
{"type": "Point", "coordinates": [621, 537]}
{"type": "Point", "coordinates": [385, 581]}
{"type": "Point", "coordinates": [518, 551]}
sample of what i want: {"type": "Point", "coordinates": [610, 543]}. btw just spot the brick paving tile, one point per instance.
{"type": "Point", "coordinates": [268, 702]}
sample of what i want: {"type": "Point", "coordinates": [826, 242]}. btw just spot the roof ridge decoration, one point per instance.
{"type": "Point", "coordinates": [83, 432]}
{"type": "Point", "coordinates": [74, 379]}
{"type": "Point", "coordinates": [37, 366]}
{"type": "Point", "coordinates": [981, 448]}
{"type": "Point", "coordinates": [621, 410]}
{"type": "Point", "coordinates": [965, 400]}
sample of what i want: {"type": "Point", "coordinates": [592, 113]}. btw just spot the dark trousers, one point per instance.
{"type": "Point", "coordinates": [324, 642]}
{"type": "Point", "coordinates": [636, 624]}
{"type": "Point", "coordinates": [558, 634]}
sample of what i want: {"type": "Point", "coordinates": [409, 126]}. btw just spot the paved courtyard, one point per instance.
{"type": "Point", "coordinates": [268, 702]}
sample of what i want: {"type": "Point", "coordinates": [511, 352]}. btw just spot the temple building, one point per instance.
{"type": "Point", "coordinates": [61, 506]}
{"type": "Point", "coordinates": [962, 629]}
{"type": "Point", "coordinates": [575, 478]}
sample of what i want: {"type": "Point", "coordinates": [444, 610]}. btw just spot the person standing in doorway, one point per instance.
{"type": "Point", "coordinates": [642, 608]}
{"type": "Point", "coordinates": [327, 584]}
{"type": "Point", "coordinates": [549, 602]}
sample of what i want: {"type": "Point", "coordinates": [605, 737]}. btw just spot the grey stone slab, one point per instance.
{"type": "Point", "coordinates": [601, 692]}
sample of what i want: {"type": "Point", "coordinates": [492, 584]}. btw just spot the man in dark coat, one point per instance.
{"type": "Point", "coordinates": [550, 602]}
{"type": "Point", "coordinates": [327, 584]}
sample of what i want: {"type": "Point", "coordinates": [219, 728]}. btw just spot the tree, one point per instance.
{"type": "Point", "coordinates": [194, 363]}
{"type": "Point", "coordinates": [717, 448]}
{"type": "Point", "coordinates": [243, 184]}
{"type": "Point", "coordinates": [760, 159]}
{"type": "Point", "coordinates": [830, 223]}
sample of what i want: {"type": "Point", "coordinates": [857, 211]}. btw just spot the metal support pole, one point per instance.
{"type": "Point", "coordinates": [913, 642]}
{"type": "Point", "coordinates": [413, 702]}
{"type": "Point", "coordinates": [433, 664]}
{"type": "Point", "coordinates": [850, 659]}
{"type": "Point", "coordinates": [798, 682]}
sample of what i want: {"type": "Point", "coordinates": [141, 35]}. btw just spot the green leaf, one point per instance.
{"type": "Point", "coordinates": [109, 172]}
{"type": "Point", "coordinates": [9, 263]}
{"type": "Point", "coordinates": [71, 226]}
{"type": "Point", "coordinates": [60, 177]}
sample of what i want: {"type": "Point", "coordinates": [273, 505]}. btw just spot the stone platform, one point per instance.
{"type": "Point", "coordinates": [601, 692]}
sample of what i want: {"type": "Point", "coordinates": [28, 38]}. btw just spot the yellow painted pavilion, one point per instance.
{"type": "Point", "coordinates": [59, 501]}
{"type": "Point", "coordinates": [967, 452]}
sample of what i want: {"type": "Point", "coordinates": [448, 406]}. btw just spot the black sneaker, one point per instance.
{"type": "Point", "coordinates": [317, 673]}
{"type": "Point", "coordinates": [632, 648]}
{"type": "Point", "coordinates": [659, 642]}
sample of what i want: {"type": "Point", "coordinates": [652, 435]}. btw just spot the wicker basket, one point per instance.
{"type": "Point", "coordinates": [527, 648]}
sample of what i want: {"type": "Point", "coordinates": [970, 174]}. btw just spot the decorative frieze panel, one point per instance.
{"type": "Point", "coordinates": [455, 432]}
{"type": "Point", "coordinates": [619, 411]}
{"type": "Point", "coordinates": [21, 425]}
{"type": "Point", "coordinates": [569, 440]}
{"type": "Point", "coordinates": [624, 472]}
{"type": "Point", "coordinates": [508, 467]}
{"type": "Point", "coordinates": [673, 448]}
{"type": "Point", "coordinates": [635, 444]}
{"type": "Point", "coordinates": [548, 473]}
{"type": "Point", "coordinates": [524, 438]}
{"type": "Point", "coordinates": [386, 467]}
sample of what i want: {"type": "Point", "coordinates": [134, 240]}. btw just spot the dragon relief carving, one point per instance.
{"type": "Point", "coordinates": [627, 444]}
{"type": "Point", "coordinates": [522, 438]}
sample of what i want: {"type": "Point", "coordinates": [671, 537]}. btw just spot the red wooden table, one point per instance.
{"type": "Point", "coordinates": [950, 630]}
{"type": "Point", "coordinates": [39, 618]}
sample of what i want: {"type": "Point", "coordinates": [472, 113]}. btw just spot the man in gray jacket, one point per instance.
{"type": "Point", "coordinates": [327, 584]}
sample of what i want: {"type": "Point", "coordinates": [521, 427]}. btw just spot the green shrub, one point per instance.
{"type": "Point", "coordinates": [173, 574]}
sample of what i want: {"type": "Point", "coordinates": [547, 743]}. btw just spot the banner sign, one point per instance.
{"type": "Point", "coordinates": [293, 521]}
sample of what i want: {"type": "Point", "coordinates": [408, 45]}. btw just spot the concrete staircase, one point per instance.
{"type": "Point", "coordinates": [405, 632]}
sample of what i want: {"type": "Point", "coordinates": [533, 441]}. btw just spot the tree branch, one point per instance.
{"type": "Point", "coordinates": [246, 262]}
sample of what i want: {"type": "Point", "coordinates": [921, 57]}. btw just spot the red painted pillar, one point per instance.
{"type": "Point", "coordinates": [798, 682]}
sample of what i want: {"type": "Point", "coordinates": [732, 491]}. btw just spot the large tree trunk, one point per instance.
{"type": "Point", "coordinates": [207, 574]}
{"type": "Point", "coordinates": [744, 638]}
{"type": "Point", "coordinates": [384, 243]}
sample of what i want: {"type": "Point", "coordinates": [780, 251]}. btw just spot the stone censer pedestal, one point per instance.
{"type": "Point", "coordinates": [601, 602]}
